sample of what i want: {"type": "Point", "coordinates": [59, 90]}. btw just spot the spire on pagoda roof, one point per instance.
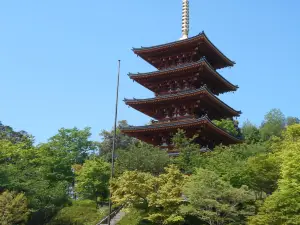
{"type": "Point", "coordinates": [185, 19]}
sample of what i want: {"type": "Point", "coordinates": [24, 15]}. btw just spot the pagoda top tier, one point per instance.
{"type": "Point", "coordinates": [184, 51]}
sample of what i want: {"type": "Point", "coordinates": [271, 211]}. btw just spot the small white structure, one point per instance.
{"type": "Point", "coordinates": [185, 19]}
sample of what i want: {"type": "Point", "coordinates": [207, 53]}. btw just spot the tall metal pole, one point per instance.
{"type": "Point", "coordinates": [114, 140]}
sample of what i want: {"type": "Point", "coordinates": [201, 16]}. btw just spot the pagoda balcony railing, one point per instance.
{"type": "Point", "coordinates": [174, 119]}
{"type": "Point", "coordinates": [176, 91]}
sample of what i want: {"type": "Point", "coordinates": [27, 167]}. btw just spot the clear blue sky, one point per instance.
{"type": "Point", "coordinates": [58, 59]}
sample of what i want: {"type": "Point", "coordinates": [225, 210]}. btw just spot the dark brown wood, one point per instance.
{"type": "Point", "coordinates": [184, 86]}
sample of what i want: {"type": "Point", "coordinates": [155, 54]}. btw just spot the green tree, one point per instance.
{"type": "Point", "coordinates": [73, 141]}
{"type": "Point", "coordinates": [160, 197]}
{"type": "Point", "coordinates": [215, 201]}
{"type": "Point", "coordinates": [283, 206]}
{"type": "Point", "coordinates": [250, 133]}
{"type": "Point", "coordinates": [229, 162]}
{"type": "Point", "coordinates": [92, 180]}
{"type": "Point", "coordinates": [122, 141]}
{"type": "Point", "coordinates": [262, 172]}
{"type": "Point", "coordinates": [132, 189]}
{"type": "Point", "coordinates": [142, 157]}
{"type": "Point", "coordinates": [80, 212]}
{"type": "Point", "coordinates": [292, 120]}
{"type": "Point", "coordinates": [13, 209]}
{"type": "Point", "coordinates": [165, 201]}
{"type": "Point", "coordinates": [66, 148]}
{"type": "Point", "coordinates": [24, 170]}
{"type": "Point", "coordinates": [16, 137]}
{"type": "Point", "coordinates": [273, 124]}
{"type": "Point", "coordinates": [227, 125]}
{"type": "Point", "coordinates": [189, 152]}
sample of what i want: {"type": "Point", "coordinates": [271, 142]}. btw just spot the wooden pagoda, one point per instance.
{"type": "Point", "coordinates": [185, 87]}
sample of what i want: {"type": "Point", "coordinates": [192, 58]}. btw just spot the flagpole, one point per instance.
{"type": "Point", "coordinates": [114, 140]}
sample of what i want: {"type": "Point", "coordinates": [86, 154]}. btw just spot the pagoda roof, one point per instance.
{"type": "Point", "coordinates": [143, 104]}
{"type": "Point", "coordinates": [211, 128]}
{"type": "Point", "coordinates": [146, 52]}
{"type": "Point", "coordinates": [167, 73]}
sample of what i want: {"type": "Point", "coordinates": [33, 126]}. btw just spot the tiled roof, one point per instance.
{"type": "Point", "coordinates": [188, 40]}
{"type": "Point", "coordinates": [175, 124]}
{"type": "Point", "coordinates": [182, 66]}
{"type": "Point", "coordinates": [179, 95]}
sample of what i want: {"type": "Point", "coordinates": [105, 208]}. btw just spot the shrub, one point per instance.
{"type": "Point", "coordinates": [82, 212]}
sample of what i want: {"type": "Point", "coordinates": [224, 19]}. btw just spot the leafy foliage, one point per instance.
{"type": "Point", "coordinates": [273, 124]}
{"type": "Point", "coordinates": [251, 133]}
{"type": "Point", "coordinates": [215, 201]}
{"type": "Point", "coordinates": [13, 208]}
{"type": "Point", "coordinates": [189, 152]}
{"type": "Point", "coordinates": [159, 196]}
{"type": "Point", "coordinates": [49, 174]}
{"type": "Point", "coordinates": [43, 173]}
{"type": "Point", "coordinates": [141, 157]}
{"type": "Point", "coordinates": [282, 207]}
{"type": "Point", "coordinates": [134, 217]}
{"type": "Point", "coordinates": [227, 125]}
{"type": "Point", "coordinates": [132, 188]}
{"type": "Point", "coordinates": [262, 173]}
{"type": "Point", "coordinates": [92, 180]}
{"type": "Point", "coordinates": [73, 141]}
{"type": "Point", "coordinates": [164, 202]}
{"type": "Point", "coordinates": [82, 212]}
{"type": "Point", "coordinates": [24, 171]}
{"type": "Point", "coordinates": [16, 137]}
{"type": "Point", "coordinates": [230, 162]}
{"type": "Point", "coordinates": [122, 141]}
{"type": "Point", "coordinates": [292, 120]}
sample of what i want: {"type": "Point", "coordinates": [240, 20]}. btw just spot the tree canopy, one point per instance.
{"type": "Point", "coordinates": [67, 179]}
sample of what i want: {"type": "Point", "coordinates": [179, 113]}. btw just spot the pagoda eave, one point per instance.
{"type": "Point", "coordinates": [149, 54]}
{"type": "Point", "coordinates": [202, 126]}
{"type": "Point", "coordinates": [202, 68]}
{"type": "Point", "coordinates": [202, 94]}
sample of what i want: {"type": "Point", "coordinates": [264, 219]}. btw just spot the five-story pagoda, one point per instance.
{"type": "Point", "coordinates": [185, 87]}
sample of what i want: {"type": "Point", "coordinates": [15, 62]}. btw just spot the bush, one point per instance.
{"type": "Point", "coordinates": [133, 217]}
{"type": "Point", "coordinates": [13, 208]}
{"type": "Point", "coordinates": [82, 212]}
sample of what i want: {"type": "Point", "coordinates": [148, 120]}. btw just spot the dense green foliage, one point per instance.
{"type": "Point", "coordinates": [43, 173]}
{"type": "Point", "coordinates": [7, 133]}
{"type": "Point", "coordinates": [80, 213]}
{"type": "Point", "coordinates": [141, 157]}
{"type": "Point", "coordinates": [92, 180]}
{"type": "Point", "coordinates": [228, 125]}
{"type": "Point", "coordinates": [66, 180]}
{"type": "Point", "coordinates": [251, 133]}
{"type": "Point", "coordinates": [122, 141]}
{"type": "Point", "coordinates": [13, 208]}
{"type": "Point", "coordinates": [134, 217]}
{"type": "Point", "coordinates": [215, 201]}
{"type": "Point", "coordinates": [273, 124]}
{"type": "Point", "coordinates": [283, 205]}
{"type": "Point", "coordinates": [159, 196]}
